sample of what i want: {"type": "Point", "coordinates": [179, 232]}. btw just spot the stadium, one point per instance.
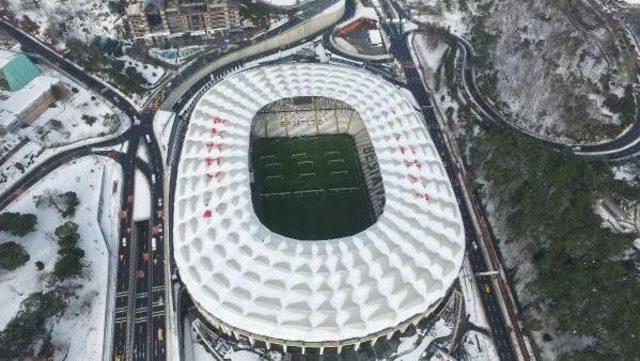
{"type": "Point", "coordinates": [312, 209]}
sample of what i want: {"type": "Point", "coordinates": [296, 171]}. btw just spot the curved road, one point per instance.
{"type": "Point", "coordinates": [139, 318]}
{"type": "Point", "coordinates": [624, 146]}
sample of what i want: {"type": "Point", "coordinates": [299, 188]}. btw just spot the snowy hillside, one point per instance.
{"type": "Point", "coordinates": [556, 68]}
{"type": "Point", "coordinates": [82, 19]}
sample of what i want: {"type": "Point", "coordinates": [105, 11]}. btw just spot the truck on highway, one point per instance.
{"type": "Point", "coordinates": [153, 179]}
{"type": "Point", "coordinates": [160, 334]}
{"type": "Point", "coordinates": [153, 244]}
{"type": "Point", "coordinates": [148, 138]}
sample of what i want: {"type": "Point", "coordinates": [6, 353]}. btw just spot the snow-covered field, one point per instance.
{"type": "Point", "coordinates": [458, 22]}
{"type": "Point", "coordinates": [78, 334]}
{"type": "Point", "coordinates": [82, 19]}
{"type": "Point", "coordinates": [472, 300]}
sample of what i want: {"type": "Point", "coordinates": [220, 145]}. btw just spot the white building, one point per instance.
{"type": "Point", "coordinates": [253, 283]}
{"type": "Point", "coordinates": [26, 104]}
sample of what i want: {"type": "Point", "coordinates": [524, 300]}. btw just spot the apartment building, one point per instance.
{"type": "Point", "coordinates": [158, 18]}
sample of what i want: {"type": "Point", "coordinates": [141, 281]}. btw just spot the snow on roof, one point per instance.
{"type": "Point", "coordinates": [6, 56]}
{"type": "Point", "coordinates": [24, 97]}
{"type": "Point", "coordinates": [375, 37]}
{"type": "Point", "coordinates": [7, 119]}
{"type": "Point", "coordinates": [250, 278]}
{"type": "Point", "coordinates": [133, 8]}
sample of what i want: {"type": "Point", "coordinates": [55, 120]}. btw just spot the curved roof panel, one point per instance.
{"type": "Point", "coordinates": [252, 279]}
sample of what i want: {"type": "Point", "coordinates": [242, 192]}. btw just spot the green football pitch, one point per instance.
{"type": "Point", "coordinates": [311, 187]}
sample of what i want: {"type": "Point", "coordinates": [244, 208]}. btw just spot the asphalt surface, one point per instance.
{"type": "Point", "coordinates": [140, 307]}
{"type": "Point", "coordinates": [140, 322]}
{"type": "Point", "coordinates": [624, 146]}
{"type": "Point", "coordinates": [400, 50]}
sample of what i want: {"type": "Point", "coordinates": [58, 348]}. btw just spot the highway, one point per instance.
{"type": "Point", "coordinates": [140, 296]}
{"type": "Point", "coordinates": [139, 321]}
{"type": "Point", "coordinates": [400, 50]}
{"type": "Point", "coordinates": [140, 315]}
{"type": "Point", "coordinates": [624, 146]}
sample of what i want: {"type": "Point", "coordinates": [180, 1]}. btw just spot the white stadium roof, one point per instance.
{"type": "Point", "coordinates": [251, 279]}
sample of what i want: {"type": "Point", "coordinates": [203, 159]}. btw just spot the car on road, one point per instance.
{"type": "Point", "coordinates": [487, 288]}
{"type": "Point", "coordinates": [124, 241]}
{"type": "Point", "coordinates": [160, 334]}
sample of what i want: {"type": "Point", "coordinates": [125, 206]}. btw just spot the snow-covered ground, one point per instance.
{"type": "Point", "coordinates": [282, 2]}
{"type": "Point", "coordinates": [60, 127]}
{"type": "Point", "coordinates": [82, 19]}
{"type": "Point", "coordinates": [431, 54]}
{"type": "Point", "coordinates": [446, 13]}
{"type": "Point", "coordinates": [478, 347]}
{"type": "Point", "coordinates": [143, 151]}
{"type": "Point", "coordinates": [419, 343]}
{"type": "Point", "coordinates": [162, 124]}
{"type": "Point", "coordinates": [175, 56]}
{"type": "Point", "coordinates": [78, 334]}
{"type": "Point", "coordinates": [82, 116]}
{"type": "Point", "coordinates": [142, 203]}
{"type": "Point", "coordinates": [151, 73]}
{"type": "Point", "coordinates": [472, 300]}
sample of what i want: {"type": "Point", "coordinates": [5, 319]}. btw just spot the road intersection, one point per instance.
{"type": "Point", "coordinates": [144, 258]}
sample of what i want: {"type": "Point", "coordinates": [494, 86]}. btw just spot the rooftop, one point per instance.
{"type": "Point", "coordinates": [24, 97]}
{"type": "Point", "coordinates": [252, 279]}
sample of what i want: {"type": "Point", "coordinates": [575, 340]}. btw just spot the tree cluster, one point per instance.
{"type": "Point", "coordinates": [583, 280]}
{"type": "Point", "coordinates": [17, 224]}
{"type": "Point", "coordinates": [69, 263]}
{"type": "Point", "coordinates": [24, 333]}
{"type": "Point", "coordinates": [65, 203]}
{"type": "Point", "coordinates": [12, 256]}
